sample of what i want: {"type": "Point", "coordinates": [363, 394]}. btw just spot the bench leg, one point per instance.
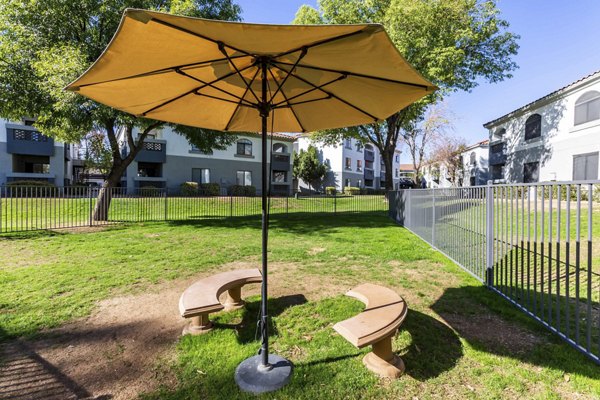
{"type": "Point", "coordinates": [383, 361]}
{"type": "Point", "coordinates": [234, 299]}
{"type": "Point", "coordinates": [198, 325]}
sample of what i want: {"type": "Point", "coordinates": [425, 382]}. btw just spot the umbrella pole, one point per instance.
{"type": "Point", "coordinates": [264, 113]}
{"type": "Point", "coordinates": [264, 372]}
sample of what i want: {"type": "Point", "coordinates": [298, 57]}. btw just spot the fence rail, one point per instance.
{"type": "Point", "coordinates": [39, 208]}
{"type": "Point", "coordinates": [530, 243]}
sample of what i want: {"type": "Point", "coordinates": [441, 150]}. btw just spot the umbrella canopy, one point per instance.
{"type": "Point", "coordinates": [206, 73]}
{"type": "Point", "coordinates": [251, 77]}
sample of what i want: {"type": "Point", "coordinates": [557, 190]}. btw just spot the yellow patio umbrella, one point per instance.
{"type": "Point", "coordinates": [244, 77]}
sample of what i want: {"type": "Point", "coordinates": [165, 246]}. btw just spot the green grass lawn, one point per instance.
{"type": "Point", "coordinates": [459, 339]}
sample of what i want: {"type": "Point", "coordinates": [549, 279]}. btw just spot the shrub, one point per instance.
{"type": "Point", "coordinates": [330, 190]}
{"type": "Point", "coordinates": [189, 189]}
{"type": "Point", "coordinates": [30, 189]}
{"type": "Point", "coordinates": [31, 184]}
{"type": "Point", "coordinates": [239, 190]}
{"type": "Point", "coordinates": [149, 191]}
{"type": "Point", "coordinates": [352, 191]}
{"type": "Point", "coordinates": [211, 189]}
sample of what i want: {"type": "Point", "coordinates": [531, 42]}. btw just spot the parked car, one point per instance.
{"type": "Point", "coordinates": [406, 183]}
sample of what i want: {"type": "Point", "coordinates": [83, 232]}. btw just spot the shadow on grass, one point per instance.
{"type": "Point", "coordinates": [30, 235]}
{"type": "Point", "coordinates": [491, 324]}
{"type": "Point", "coordinates": [300, 223]}
{"type": "Point", "coordinates": [434, 348]}
{"type": "Point", "coordinates": [247, 330]}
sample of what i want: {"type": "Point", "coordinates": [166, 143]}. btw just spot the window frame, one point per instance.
{"type": "Point", "coordinates": [530, 129]}
{"type": "Point", "coordinates": [579, 103]}
{"type": "Point", "coordinates": [537, 172]}
{"type": "Point", "coordinates": [246, 174]}
{"type": "Point", "coordinates": [244, 144]}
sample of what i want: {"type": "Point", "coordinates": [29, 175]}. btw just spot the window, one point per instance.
{"type": "Point", "coordinates": [397, 173]}
{"type": "Point", "coordinates": [587, 107]}
{"type": "Point", "coordinates": [348, 182]}
{"type": "Point", "coordinates": [585, 167]}
{"type": "Point", "coordinates": [359, 147]}
{"type": "Point", "coordinates": [359, 165]}
{"type": "Point", "coordinates": [151, 170]}
{"type": "Point", "coordinates": [244, 178]}
{"type": "Point", "coordinates": [497, 172]}
{"type": "Point", "coordinates": [397, 158]}
{"type": "Point", "coordinates": [499, 134]}
{"type": "Point", "coordinates": [201, 175]}
{"type": "Point", "coordinates": [497, 148]}
{"type": "Point", "coordinates": [279, 176]}
{"type": "Point", "coordinates": [533, 127]}
{"type": "Point", "coordinates": [31, 164]}
{"type": "Point", "coordinates": [531, 172]}
{"type": "Point", "coordinates": [359, 183]}
{"type": "Point", "coordinates": [348, 163]}
{"type": "Point", "coordinates": [279, 148]}
{"type": "Point", "coordinates": [244, 147]}
{"type": "Point", "coordinates": [348, 143]}
{"type": "Point", "coordinates": [473, 158]}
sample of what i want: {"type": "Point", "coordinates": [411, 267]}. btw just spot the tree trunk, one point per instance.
{"type": "Point", "coordinates": [106, 192]}
{"type": "Point", "coordinates": [388, 157]}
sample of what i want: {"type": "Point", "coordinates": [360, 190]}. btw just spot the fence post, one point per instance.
{"type": "Point", "coordinates": [166, 203]}
{"type": "Point", "coordinates": [433, 220]}
{"type": "Point", "coordinates": [287, 208]}
{"type": "Point", "coordinates": [489, 235]}
{"type": "Point", "coordinates": [334, 202]}
{"type": "Point", "coordinates": [231, 206]}
{"type": "Point", "coordinates": [90, 207]}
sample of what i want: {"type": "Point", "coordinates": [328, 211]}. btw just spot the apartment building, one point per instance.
{"type": "Point", "coordinates": [554, 138]}
{"type": "Point", "coordinates": [26, 154]}
{"type": "Point", "coordinates": [475, 164]}
{"type": "Point", "coordinates": [167, 160]}
{"type": "Point", "coordinates": [350, 164]}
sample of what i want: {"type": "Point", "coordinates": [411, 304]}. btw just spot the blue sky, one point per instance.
{"type": "Point", "coordinates": [559, 45]}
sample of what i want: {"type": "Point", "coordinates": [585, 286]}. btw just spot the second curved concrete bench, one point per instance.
{"type": "Point", "coordinates": [202, 298]}
{"type": "Point", "coordinates": [376, 325]}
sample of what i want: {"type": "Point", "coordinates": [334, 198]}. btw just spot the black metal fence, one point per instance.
{"type": "Point", "coordinates": [530, 243]}
{"type": "Point", "coordinates": [38, 208]}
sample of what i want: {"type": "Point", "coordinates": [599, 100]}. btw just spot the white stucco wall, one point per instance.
{"type": "Point", "coordinates": [560, 139]}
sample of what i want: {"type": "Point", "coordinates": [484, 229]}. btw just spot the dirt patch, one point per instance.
{"type": "Point", "coordinates": [493, 332]}
{"type": "Point", "coordinates": [127, 345]}
{"type": "Point", "coordinates": [316, 250]}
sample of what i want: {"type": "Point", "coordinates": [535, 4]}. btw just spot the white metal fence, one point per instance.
{"type": "Point", "coordinates": [530, 243]}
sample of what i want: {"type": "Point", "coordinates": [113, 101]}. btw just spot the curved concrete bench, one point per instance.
{"type": "Point", "coordinates": [376, 325]}
{"type": "Point", "coordinates": [202, 298]}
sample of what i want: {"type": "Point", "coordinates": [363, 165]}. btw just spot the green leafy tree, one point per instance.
{"type": "Point", "coordinates": [46, 44]}
{"type": "Point", "coordinates": [308, 167]}
{"type": "Point", "coordinates": [453, 43]}
{"type": "Point", "coordinates": [97, 155]}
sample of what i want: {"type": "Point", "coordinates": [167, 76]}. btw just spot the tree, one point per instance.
{"type": "Point", "coordinates": [46, 44]}
{"type": "Point", "coordinates": [308, 167]}
{"type": "Point", "coordinates": [447, 151]}
{"type": "Point", "coordinates": [453, 43]}
{"type": "Point", "coordinates": [97, 156]}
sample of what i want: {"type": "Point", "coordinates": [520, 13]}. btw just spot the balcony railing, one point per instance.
{"type": "Point", "coordinates": [369, 155]}
{"type": "Point", "coordinates": [153, 150]}
{"type": "Point", "coordinates": [281, 161]}
{"type": "Point", "coordinates": [369, 174]}
{"type": "Point", "coordinates": [23, 139]}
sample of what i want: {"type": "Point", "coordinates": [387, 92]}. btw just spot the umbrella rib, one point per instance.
{"type": "Point", "coordinates": [186, 93]}
{"type": "Point", "coordinates": [240, 103]}
{"type": "Point", "coordinates": [213, 86]}
{"type": "Point", "coordinates": [310, 91]}
{"type": "Point", "coordinates": [279, 86]}
{"type": "Point", "coordinates": [222, 99]}
{"type": "Point", "coordinates": [301, 102]}
{"type": "Point", "coordinates": [354, 74]}
{"type": "Point", "coordinates": [332, 95]}
{"type": "Point", "coordinates": [222, 49]}
{"type": "Point", "coordinates": [217, 42]}
{"type": "Point", "coordinates": [286, 99]}
{"type": "Point", "coordinates": [321, 42]}
{"type": "Point", "coordinates": [160, 71]}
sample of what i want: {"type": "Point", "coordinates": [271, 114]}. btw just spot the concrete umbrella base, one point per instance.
{"type": "Point", "coordinates": [252, 377]}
